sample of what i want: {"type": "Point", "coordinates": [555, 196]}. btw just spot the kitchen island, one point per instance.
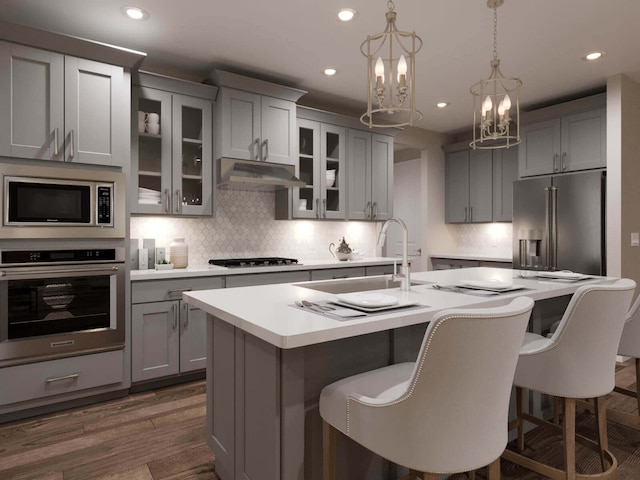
{"type": "Point", "coordinates": [268, 360]}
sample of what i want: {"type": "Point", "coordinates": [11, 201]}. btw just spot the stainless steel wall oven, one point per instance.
{"type": "Point", "coordinates": [56, 303]}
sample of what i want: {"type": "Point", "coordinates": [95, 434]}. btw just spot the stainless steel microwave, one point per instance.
{"type": "Point", "coordinates": [53, 202]}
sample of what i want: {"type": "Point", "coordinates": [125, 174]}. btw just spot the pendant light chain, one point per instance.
{"type": "Point", "coordinates": [495, 33]}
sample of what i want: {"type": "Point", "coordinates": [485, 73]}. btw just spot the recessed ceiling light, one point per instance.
{"type": "Point", "coordinates": [594, 55]}
{"type": "Point", "coordinates": [134, 13]}
{"type": "Point", "coordinates": [330, 72]}
{"type": "Point", "coordinates": [346, 14]}
{"type": "Point", "coordinates": [442, 104]}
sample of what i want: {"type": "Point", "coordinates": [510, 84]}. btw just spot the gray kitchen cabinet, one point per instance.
{"type": "Point", "coordinates": [322, 165]}
{"type": "Point", "coordinates": [469, 186]}
{"type": "Point", "coordinates": [445, 263]}
{"type": "Point", "coordinates": [505, 172]}
{"type": "Point", "coordinates": [63, 108]}
{"type": "Point", "coordinates": [172, 169]}
{"type": "Point", "coordinates": [334, 273]}
{"type": "Point", "coordinates": [564, 138]}
{"type": "Point", "coordinates": [369, 176]}
{"type": "Point", "coordinates": [268, 278]}
{"type": "Point", "coordinates": [168, 336]}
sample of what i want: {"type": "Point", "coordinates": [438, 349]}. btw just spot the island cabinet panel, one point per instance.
{"type": "Point", "coordinates": [263, 421]}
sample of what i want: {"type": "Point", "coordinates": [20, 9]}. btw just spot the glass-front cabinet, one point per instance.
{"type": "Point", "coordinates": [322, 166]}
{"type": "Point", "coordinates": [172, 158]}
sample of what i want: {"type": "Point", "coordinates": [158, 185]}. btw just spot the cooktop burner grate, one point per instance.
{"type": "Point", "coordinates": [253, 262]}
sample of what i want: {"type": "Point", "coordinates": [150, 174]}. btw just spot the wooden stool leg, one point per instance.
{"type": "Point", "coordinates": [493, 470]}
{"type": "Point", "coordinates": [519, 411]}
{"type": "Point", "coordinates": [601, 414]}
{"type": "Point", "coordinates": [638, 383]}
{"type": "Point", "coordinates": [569, 434]}
{"type": "Point", "coordinates": [329, 438]}
{"type": "Point", "coordinates": [472, 475]}
{"type": "Point", "coordinates": [422, 476]}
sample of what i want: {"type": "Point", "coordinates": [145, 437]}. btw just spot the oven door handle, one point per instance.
{"type": "Point", "coordinates": [61, 270]}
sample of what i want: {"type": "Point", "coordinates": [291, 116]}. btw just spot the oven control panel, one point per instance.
{"type": "Point", "coordinates": [33, 257]}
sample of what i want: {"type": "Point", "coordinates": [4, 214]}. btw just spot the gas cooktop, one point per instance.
{"type": "Point", "coordinates": [253, 262]}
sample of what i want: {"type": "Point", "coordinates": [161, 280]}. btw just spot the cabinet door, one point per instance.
{"type": "Point", "coordinates": [306, 200]}
{"type": "Point", "coordinates": [332, 171]}
{"type": "Point", "coordinates": [381, 167]}
{"type": "Point", "coordinates": [480, 186]}
{"type": "Point", "coordinates": [505, 172]}
{"type": "Point", "coordinates": [32, 99]}
{"type": "Point", "coordinates": [456, 179]}
{"type": "Point", "coordinates": [359, 174]}
{"type": "Point", "coordinates": [240, 124]}
{"type": "Point", "coordinates": [278, 130]}
{"type": "Point", "coordinates": [192, 156]}
{"type": "Point", "coordinates": [154, 340]}
{"type": "Point", "coordinates": [584, 138]}
{"type": "Point", "coordinates": [539, 151]}
{"type": "Point", "coordinates": [151, 154]}
{"type": "Point", "coordinates": [193, 338]}
{"type": "Point", "coordinates": [94, 113]}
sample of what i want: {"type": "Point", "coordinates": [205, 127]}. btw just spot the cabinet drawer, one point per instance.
{"type": "Point", "coordinates": [161, 290]}
{"type": "Point", "coordinates": [55, 377]}
{"type": "Point", "coordinates": [379, 270]}
{"type": "Point", "coordinates": [331, 273]}
{"type": "Point", "coordinates": [266, 278]}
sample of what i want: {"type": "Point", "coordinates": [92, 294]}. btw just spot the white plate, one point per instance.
{"type": "Point", "coordinates": [401, 304]}
{"type": "Point", "coordinates": [496, 285]}
{"type": "Point", "coordinates": [369, 300]}
{"type": "Point", "coordinates": [562, 275]}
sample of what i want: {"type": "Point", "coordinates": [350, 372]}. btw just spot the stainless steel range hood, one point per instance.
{"type": "Point", "coordinates": [255, 175]}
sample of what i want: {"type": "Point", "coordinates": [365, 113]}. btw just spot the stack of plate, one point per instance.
{"type": "Point", "coordinates": [146, 195]}
{"type": "Point", "coordinates": [331, 178]}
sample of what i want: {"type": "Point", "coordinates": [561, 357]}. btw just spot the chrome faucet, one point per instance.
{"type": "Point", "coordinates": [404, 275]}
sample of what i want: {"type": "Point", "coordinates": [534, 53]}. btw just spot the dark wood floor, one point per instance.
{"type": "Point", "coordinates": [160, 434]}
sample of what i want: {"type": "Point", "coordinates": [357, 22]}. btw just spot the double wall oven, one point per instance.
{"type": "Point", "coordinates": [64, 294]}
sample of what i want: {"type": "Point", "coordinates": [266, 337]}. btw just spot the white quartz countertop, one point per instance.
{"type": "Point", "coordinates": [212, 270]}
{"type": "Point", "coordinates": [266, 311]}
{"type": "Point", "coordinates": [471, 256]}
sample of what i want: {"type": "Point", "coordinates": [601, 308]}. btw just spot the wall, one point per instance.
{"type": "Point", "coordinates": [623, 172]}
{"type": "Point", "coordinates": [244, 226]}
{"type": "Point", "coordinates": [483, 239]}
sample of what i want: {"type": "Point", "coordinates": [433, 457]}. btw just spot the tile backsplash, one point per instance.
{"type": "Point", "coordinates": [244, 226]}
{"type": "Point", "coordinates": [490, 239]}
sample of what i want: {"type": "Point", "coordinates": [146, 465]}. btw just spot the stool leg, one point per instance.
{"type": "Point", "coordinates": [569, 434]}
{"type": "Point", "coordinates": [601, 414]}
{"type": "Point", "coordinates": [519, 411]}
{"type": "Point", "coordinates": [493, 470]}
{"type": "Point", "coordinates": [638, 383]}
{"type": "Point", "coordinates": [329, 438]}
{"type": "Point", "coordinates": [557, 406]}
{"type": "Point", "coordinates": [472, 475]}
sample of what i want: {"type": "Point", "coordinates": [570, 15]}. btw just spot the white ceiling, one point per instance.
{"type": "Point", "coordinates": [292, 41]}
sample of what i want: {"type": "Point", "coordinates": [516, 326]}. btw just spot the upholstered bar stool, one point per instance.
{"type": "Point", "coordinates": [630, 347]}
{"type": "Point", "coordinates": [576, 362]}
{"type": "Point", "coordinates": [445, 413]}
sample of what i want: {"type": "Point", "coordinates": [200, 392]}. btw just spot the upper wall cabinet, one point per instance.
{"type": "Point", "coordinates": [171, 158]}
{"type": "Point", "coordinates": [564, 138]}
{"type": "Point", "coordinates": [62, 108]}
{"type": "Point", "coordinates": [255, 120]}
{"type": "Point", "coordinates": [370, 175]}
{"type": "Point", "coordinates": [479, 185]}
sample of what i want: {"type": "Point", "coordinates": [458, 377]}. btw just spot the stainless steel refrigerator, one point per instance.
{"type": "Point", "coordinates": [559, 223]}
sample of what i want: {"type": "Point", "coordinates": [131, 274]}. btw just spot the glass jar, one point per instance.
{"type": "Point", "coordinates": [179, 253]}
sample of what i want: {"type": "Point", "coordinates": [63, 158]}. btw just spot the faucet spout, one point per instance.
{"type": "Point", "coordinates": [405, 280]}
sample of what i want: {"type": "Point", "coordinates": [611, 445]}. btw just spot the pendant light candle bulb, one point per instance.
{"type": "Point", "coordinates": [379, 71]}
{"type": "Point", "coordinates": [487, 106]}
{"type": "Point", "coordinates": [402, 71]}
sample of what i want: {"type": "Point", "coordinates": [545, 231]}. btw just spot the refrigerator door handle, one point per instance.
{"type": "Point", "coordinates": [553, 228]}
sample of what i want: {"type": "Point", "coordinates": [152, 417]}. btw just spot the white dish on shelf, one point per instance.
{"type": "Point", "coordinates": [370, 300]}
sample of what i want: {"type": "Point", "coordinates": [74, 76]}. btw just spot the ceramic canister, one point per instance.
{"type": "Point", "coordinates": [179, 253]}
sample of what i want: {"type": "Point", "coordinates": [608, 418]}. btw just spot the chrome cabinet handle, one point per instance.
{"type": "Point", "coordinates": [257, 150]}
{"type": "Point", "coordinates": [374, 210]}
{"type": "Point", "coordinates": [317, 208]}
{"type": "Point", "coordinates": [368, 210]}
{"type": "Point", "coordinates": [564, 161]}
{"type": "Point", "coordinates": [174, 311]}
{"type": "Point", "coordinates": [186, 312]}
{"type": "Point", "coordinates": [324, 207]}
{"type": "Point", "coordinates": [555, 162]}
{"type": "Point", "coordinates": [167, 200]}
{"type": "Point", "coordinates": [72, 150]}
{"type": "Point", "coordinates": [465, 214]}
{"type": "Point", "coordinates": [266, 150]}
{"type": "Point", "coordinates": [71, 376]}
{"type": "Point", "coordinates": [62, 270]}
{"type": "Point", "coordinates": [178, 202]}
{"type": "Point", "coordinates": [471, 214]}
{"type": "Point", "coordinates": [56, 149]}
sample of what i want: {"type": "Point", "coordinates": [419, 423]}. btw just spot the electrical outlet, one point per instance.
{"type": "Point", "coordinates": [635, 239]}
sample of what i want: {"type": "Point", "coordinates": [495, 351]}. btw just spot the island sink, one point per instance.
{"type": "Point", "coordinates": [358, 284]}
